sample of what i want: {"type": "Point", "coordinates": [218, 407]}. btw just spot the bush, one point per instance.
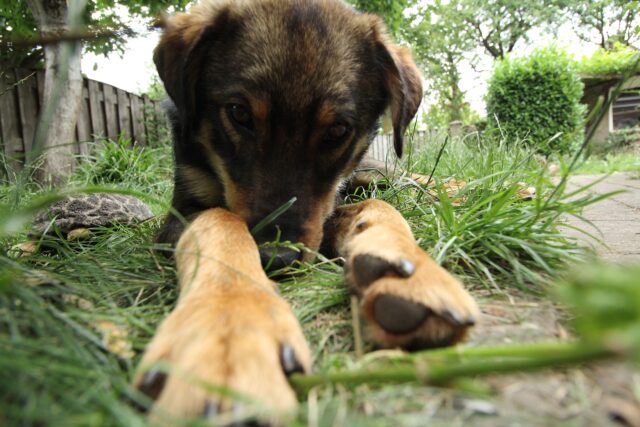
{"type": "Point", "coordinates": [537, 98]}
{"type": "Point", "coordinates": [126, 165]}
{"type": "Point", "coordinates": [617, 61]}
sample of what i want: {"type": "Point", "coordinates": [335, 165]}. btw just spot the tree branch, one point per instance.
{"type": "Point", "coordinates": [485, 40]}
{"type": "Point", "coordinates": [69, 36]}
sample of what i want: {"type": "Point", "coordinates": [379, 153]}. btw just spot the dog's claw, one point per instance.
{"type": "Point", "coordinates": [238, 410]}
{"type": "Point", "coordinates": [152, 383]}
{"type": "Point", "coordinates": [211, 410]}
{"type": "Point", "coordinates": [457, 320]}
{"type": "Point", "coordinates": [290, 363]}
{"type": "Point", "coordinates": [369, 268]}
{"type": "Point", "coordinates": [406, 268]}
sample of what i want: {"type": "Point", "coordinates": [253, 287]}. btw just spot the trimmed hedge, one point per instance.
{"type": "Point", "coordinates": [537, 99]}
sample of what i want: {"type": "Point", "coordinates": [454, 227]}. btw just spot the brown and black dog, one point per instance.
{"type": "Point", "coordinates": [275, 99]}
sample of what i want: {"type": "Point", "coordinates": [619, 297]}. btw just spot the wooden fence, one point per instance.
{"type": "Point", "coordinates": [107, 112]}
{"type": "Point", "coordinates": [381, 147]}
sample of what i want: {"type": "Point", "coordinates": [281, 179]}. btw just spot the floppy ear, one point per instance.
{"type": "Point", "coordinates": [180, 51]}
{"type": "Point", "coordinates": [402, 81]}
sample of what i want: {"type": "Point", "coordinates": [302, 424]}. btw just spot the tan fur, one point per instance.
{"type": "Point", "coordinates": [375, 228]}
{"type": "Point", "coordinates": [313, 226]}
{"type": "Point", "coordinates": [327, 115]}
{"type": "Point", "coordinates": [234, 198]}
{"type": "Point", "coordinates": [200, 184]}
{"type": "Point", "coordinates": [228, 325]}
{"type": "Point", "coordinates": [360, 144]}
{"type": "Point", "coordinates": [259, 108]}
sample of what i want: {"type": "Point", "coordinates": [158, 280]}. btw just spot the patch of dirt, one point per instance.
{"type": "Point", "coordinates": [601, 395]}
{"type": "Point", "coordinates": [517, 319]}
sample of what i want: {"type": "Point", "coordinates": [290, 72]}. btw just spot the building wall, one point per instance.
{"type": "Point", "coordinates": [603, 89]}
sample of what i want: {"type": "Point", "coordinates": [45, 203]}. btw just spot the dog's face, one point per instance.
{"type": "Point", "coordinates": [278, 99]}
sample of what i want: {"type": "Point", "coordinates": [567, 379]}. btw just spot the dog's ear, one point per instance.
{"type": "Point", "coordinates": [402, 80]}
{"type": "Point", "coordinates": [179, 53]}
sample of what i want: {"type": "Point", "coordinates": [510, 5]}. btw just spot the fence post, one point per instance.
{"type": "Point", "coordinates": [28, 105]}
{"type": "Point", "coordinates": [124, 119]}
{"type": "Point", "coordinates": [110, 111]}
{"type": "Point", "coordinates": [12, 142]}
{"type": "Point", "coordinates": [455, 130]}
{"type": "Point", "coordinates": [106, 111]}
{"type": "Point", "coordinates": [83, 127]}
{"type": "Point", "coordinates": [96, 109]}
{"type": "Point", "coordinates": [136, 121]}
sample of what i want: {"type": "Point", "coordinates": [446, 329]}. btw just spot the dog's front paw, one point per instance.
{"type": "Point", "coordinates": [408, 300]}
{"type": "Point", "coordinates": [220, 351]}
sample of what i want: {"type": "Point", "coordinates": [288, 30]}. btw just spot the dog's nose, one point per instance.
{"type": "Point", "coordinates": [280, 257]}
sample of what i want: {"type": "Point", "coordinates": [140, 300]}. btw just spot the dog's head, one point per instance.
{"type": "Point", "coordinates": [279, 99]}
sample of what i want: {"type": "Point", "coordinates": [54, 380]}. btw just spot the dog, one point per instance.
{"type": "Point", "coordinates": [275, 100]}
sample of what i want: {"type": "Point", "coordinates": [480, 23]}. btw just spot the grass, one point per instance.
{"type": "Point", "coordinates": [73, 322]}
{"type": "Point", "coordinates": [609, 163]}
{"type": "Point", "coordinates": [147, 170]}
{"type": "Point", "coordinates": [56, 365]}
{"type": "Point", "coordinates": [485, 231]}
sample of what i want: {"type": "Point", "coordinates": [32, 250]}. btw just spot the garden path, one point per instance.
{"type": "Point", "coordinates": [598, 395]}
{"type": "Point", "coordinates": [616, 220]}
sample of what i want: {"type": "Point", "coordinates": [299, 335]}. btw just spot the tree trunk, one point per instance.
{"type": "Point", "coordinates": [54, 137]}
{"type": "Point", "coordinates": [457, 97]}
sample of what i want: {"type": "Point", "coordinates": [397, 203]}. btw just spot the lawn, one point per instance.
{"type": "Point", "coordinates": [75, 320]}
{"type": "Point", "coordinates": [623, 161]}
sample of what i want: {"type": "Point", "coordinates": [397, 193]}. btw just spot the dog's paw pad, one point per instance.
{"type": "Point", "coordinates": [366, 269]}
{"type": "Point", "coordinates": [413, 304]}
{"type": "Point", "coordinates": [397, 315]}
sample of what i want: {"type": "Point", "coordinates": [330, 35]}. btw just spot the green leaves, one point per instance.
{"type": "Point", "coordinates": [490, 231]}
{"type": "Point", "coordinates": [607, 22]}
{"type": "Point", "coordinates": [441, 42]}
{"type": "Point", "coordinates": [446, 35]}
{"type": "Point", "coordinates": [609, 62]}
{"type": "Point", "coordinates": [537, 98]}
{"type": "Point", "coordinates": [390, 10]}
{"type": "Point", "coordinates": [498, 25]}
{"type": "Point", "coordinates": [606, 304]}
{"type": "Point", "coordinates": [17, 21]}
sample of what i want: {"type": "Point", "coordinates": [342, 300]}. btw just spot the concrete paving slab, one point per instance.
{"type": "Point", "coordinates": [616, 220]}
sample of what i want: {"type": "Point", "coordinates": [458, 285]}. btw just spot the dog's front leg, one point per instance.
{"type": "Point", "coordinates": [230, 333]}
{"type": "Point", "coordinates": [407, 299]}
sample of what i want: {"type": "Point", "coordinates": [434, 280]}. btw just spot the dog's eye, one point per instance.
{"type": "Point", "coordinates": [240, 114]}
{"type": "Point", "coordinates": [338, 131]}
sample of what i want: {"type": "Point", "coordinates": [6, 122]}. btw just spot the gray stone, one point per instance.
{"type": "Point", "coordinates": [89, 211]}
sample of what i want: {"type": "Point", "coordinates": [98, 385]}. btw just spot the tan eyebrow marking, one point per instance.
{"type": "Point", "coordinates": [259, 107]}
{"type": "Point", "coordinates": [326, 115]}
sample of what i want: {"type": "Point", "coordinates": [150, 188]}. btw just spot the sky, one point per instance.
{"type": "Point", "coordinates": [134, 71]}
